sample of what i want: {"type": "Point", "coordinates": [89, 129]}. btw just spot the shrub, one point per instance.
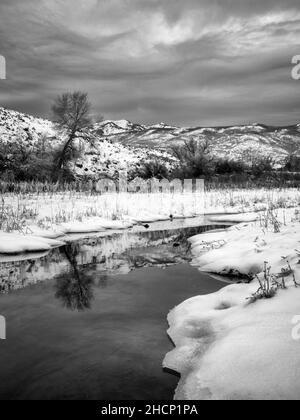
{"type": "Point", "coordinates": [229, 166]}
{"type": "Point", "coordinates": [152, 169]}
{"type": "Point", "coordinates": [292, 164]}
{"type": "Point", "coordinates": [195, 159]}
{"type": "Point", "coordinates": [261, 165]}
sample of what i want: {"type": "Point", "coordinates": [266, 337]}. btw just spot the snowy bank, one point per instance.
{"type": "Point", "coordinates": [227, 346]}
{"type": "Point", "coordinates": [37, 239]}
{"type": "Point", "coordinates": [12, 243]}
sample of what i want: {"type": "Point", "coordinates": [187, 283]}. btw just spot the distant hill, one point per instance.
{"type": "Point", "coordinates": [233, 141]}
{"type": "Point", "coordinates": [109, 146]}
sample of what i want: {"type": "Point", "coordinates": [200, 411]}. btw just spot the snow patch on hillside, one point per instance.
{"type": "Point", "coordinates": [15, 126]}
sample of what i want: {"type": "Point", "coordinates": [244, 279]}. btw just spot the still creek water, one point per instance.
{"type": "Point", "coordinates": [88, 320]}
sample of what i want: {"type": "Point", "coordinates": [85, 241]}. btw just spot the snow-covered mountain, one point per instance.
{"type": "Point", "coordinates": [233, 142]}
{"type": "Point", "coordinates": [108, 127]}
{"type": "Point", "coordinates": [110, 146]}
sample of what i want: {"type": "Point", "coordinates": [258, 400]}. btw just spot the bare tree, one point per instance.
{"type": "Point", "coordinates": [72, 113]}
{"type": "Point", "coordinates": [194, 156]}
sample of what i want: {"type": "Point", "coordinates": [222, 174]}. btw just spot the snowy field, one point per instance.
{"type": "Point", "coordinates": [18, 211]}
{"type": "Point", "coordinates": [34, 222]}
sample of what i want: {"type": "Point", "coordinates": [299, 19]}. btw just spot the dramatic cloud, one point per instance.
{"type": "Point", "coordinates": [206, 62]}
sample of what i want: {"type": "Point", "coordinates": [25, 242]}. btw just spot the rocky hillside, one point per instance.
{"type": "Point", "coordinates": [99, 154]}
{"type": "Point", "coordinates": [16, 126]}
{"type": "Point", "coordinates": [110, 146]}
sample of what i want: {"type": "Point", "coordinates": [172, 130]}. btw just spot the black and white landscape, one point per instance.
{"type": "Point", "coordinates": [150, 203]}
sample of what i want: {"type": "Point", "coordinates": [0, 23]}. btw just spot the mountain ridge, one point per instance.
{"type": "Point", "coordinates": [122, 144]}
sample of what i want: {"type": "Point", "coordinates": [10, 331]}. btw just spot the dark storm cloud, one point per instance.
{"type": "Point", "coordinates": [208, 62]}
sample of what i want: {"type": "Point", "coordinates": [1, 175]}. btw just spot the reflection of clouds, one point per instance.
{"type": "Point", "coordinates": [210, 62]}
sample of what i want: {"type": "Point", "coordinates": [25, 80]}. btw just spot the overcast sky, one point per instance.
{"type": "Point", "coordinates": [186, 62]}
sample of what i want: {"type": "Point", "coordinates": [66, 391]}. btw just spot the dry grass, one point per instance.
{"type": "Point", "coordinates": [271, 283]}
{"type": "Point", "coordinates": [48, 208]}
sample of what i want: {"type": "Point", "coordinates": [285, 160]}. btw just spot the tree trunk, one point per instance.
{"type": "Point", "coordinates": [64, 151]}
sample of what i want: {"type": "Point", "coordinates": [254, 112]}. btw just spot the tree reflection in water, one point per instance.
{"type": "Point", "coordinates": [75, 289]}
